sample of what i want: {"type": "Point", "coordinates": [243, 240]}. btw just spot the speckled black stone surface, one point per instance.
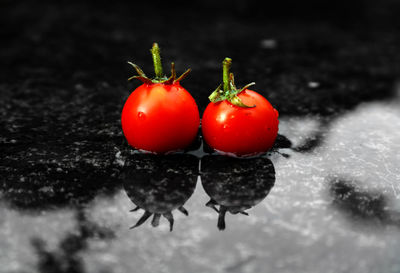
{"type": "Point", "coordinates": [325, 199]}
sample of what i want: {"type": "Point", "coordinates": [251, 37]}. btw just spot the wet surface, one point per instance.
{"type": "Point", "coordinates": [160, 184]}
{"type": "Point", "coordinates": [235, 185]}
{"type": "Point", "coordinates": [326, 198]}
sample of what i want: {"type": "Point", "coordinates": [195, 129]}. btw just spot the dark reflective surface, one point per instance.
{"type": "Point", "coordinates": [160, 184]}
{"type": "Point", "coordinates": [235, 185]}
{"type": "Point", "coordinates": [67, 175]}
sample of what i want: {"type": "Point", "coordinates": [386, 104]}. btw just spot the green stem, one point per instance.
{"type": "Point", "coordinates": [213, 96]}
{"type": "Point", "coordinates": [155, 52]}
{"type": "Point", "coordinates": [226, 65]}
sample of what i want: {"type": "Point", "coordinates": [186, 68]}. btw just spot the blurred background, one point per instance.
{"type": "Point", "coordinates": [277, 44]}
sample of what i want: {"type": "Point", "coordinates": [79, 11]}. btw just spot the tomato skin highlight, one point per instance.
{"type": "Point", "coordinates": [241, 131]}
{"type": "Point", "coordinates": [160, 118]}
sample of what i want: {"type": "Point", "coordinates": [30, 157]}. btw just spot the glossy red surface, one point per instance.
{"type": "Point", "coordinates": [160, 118]}
{"type": "Point", "coordinates": [241, 131]}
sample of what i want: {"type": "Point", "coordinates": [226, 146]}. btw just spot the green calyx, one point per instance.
{"type": "Point", "coordinates": [227, 90]}
{"type": "Point", "coordinates": [160, 76]}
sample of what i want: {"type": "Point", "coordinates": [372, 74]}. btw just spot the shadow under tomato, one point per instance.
{"type": "Point", "coordinates": [235, 184]}
{"type": "Point", "coordinates": [159, 184]}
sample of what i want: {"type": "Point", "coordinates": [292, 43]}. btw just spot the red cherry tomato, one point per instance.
{"type": "Point", "coordinates": [160, 118]}
{"type": "Point", "coordinates": [239, 122]}
{"type": "Point", "coordinates": [160, 115]}
{"type": "Point", "coordinates": [241, 131]}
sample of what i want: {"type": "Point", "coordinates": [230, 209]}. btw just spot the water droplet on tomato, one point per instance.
{"type": "Point", "coordinates": [225, 126]}
{"type": "Point", "coordinates": [141, 115]}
